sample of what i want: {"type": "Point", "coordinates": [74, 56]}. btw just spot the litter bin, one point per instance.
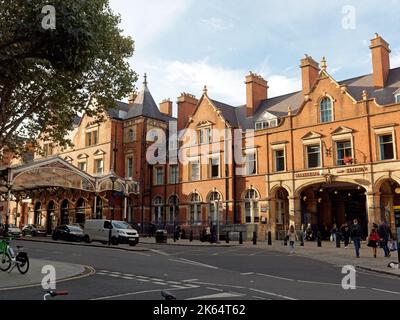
{"type": "Point", "coordinates": [161, 236]}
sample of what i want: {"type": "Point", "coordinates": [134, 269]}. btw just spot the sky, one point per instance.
{"type": "Point", "coordinates": [183, 45]}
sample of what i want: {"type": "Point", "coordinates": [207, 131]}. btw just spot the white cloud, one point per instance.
{"type": "Point", "coordinates": [168, 79]}
{"type": "Point", "coordinates": [217, 24]}
{"type": "Point", "coordinates": [146, 20]}
{"type": "Point", "coordinates": [395, 59]}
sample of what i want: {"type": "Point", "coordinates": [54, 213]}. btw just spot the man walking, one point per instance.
{"type": "Point", "coordinates": [384, 235]}
{"type": "Point", "coordinates": [356, 236]}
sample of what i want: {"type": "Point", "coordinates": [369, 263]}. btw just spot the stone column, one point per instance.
{"type": "Point", "coordinates": [295, 212]}
{"type": "Point", "coordinates": [373, 209]}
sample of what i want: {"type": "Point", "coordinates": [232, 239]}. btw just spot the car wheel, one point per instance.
{"type": "Point", "coordinates": [86, 239]}
{"type": "Point", "coordinates": [132, 243]}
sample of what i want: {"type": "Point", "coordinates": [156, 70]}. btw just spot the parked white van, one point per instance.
{"type": "Point", "coordinates": [121, 232]}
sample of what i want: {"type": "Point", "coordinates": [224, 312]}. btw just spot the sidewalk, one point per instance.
{"type": "Point", "coordinates": [64, 271]}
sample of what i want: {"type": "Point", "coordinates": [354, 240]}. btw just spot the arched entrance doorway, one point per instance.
{"type": "Point", "coordinates": [326, 204]}
{"type": "Point", "coordinates": [64, 213]}
{"type": "Point", "coordinates": [389, 198]}
{"type": "Point", "coordinates": [80, 211]}
{"type": "Point", "coordinates": [50, 215]}
{"type": "Point", "coordinates": [214, 200]}
{"type": "Point", "coordinates": [37, 216]}
{"type": "Point", "coordinates": [281, 210]}
{"type": "Point", "coordinates": [173, 217]}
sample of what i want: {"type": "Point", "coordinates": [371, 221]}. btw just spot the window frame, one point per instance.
{"type": "Point", "coordinates": [95, 166]}
{"type": "Point", "coordinates": [381, 145]}
{"type": "Point", "coordinates": [171, 178]}
{"type": "Point", "coordinates": [307, 146]}
{"type": "Point", "coordinates": [252, 205]}
{"type": "Point", "coordinates": [275, 151]}
{"type": "Point", "coordinates": [248, 153]}
{"type": "Point", "coordinates": [337, 159]}
{"type": "Point", "coordinates": [322, 112]}
{"type": "Point", "coordinates": [158, 169]}
{"type": "Point", "coordinates": [211, 165]}
{"type": "Point", "coordinates": [191, 163]}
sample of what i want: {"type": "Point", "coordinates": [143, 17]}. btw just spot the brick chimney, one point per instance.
{"type": "Point", "coordinates": [187, 104]}
{"type": "Point", "coordinates": [309, 73]}
{"type": "Point", "coordinates": [256, 92]}
{"type": "Point", "coordinates": [166, 107]}
{"type": "Point", "coordinates": [380, 61]}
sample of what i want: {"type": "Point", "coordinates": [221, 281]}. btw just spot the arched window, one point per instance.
{"type": "Point", "coordinates": [158, 212]}
{"type": "Point", "coordinates": [251, 206]}
{"type": "Point", "coordinates": [173, 210]}
{"type": "Point", "coordinates": [213, 202]}
{"type": "Point", "coordinates": [195, 209]}
{"type": "Point", "coordinates": [37, 219]}
{"type": "Point", "coordinates": [50, 214]}
{"type": "Point", "coordinates": [99, 208]}
{"type": "Point", "coordinates": [326, 110]}
{"type": "Point", "coordinates": [64, 213]}
{"type": "Point", "coordinates": [80, 211]}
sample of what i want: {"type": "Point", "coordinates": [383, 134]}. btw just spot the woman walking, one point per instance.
{"type": "Point", "coordinates": [373, 241]}
{"type": "Point", "coordinates": [292, 237]}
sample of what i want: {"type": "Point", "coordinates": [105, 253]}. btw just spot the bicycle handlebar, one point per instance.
{"type": "Point", "coordinates": [58, 293]}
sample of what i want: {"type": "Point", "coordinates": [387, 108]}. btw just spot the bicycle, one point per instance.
{"type": "Point", "coordinates": [53, 294]}
{"type": "Point", "coordinates": [9, 260]}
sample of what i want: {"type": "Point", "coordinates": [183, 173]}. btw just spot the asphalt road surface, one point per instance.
{"type": "Point", "coordinates": [197, 273]}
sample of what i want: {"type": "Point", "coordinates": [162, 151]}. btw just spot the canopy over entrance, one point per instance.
{"type": "Point", "coordinates": [58, 173]}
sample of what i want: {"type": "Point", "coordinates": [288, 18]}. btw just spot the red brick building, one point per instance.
{"type": "Point", "coordinates": [326, 154]}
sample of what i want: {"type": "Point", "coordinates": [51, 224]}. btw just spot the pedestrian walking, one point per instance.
{"type": "Point", "coordinates": [356, 236]}
{"type": "Point", "coordinates": [334, 232]}
{"type": "Point", "coordinates": [384, 236]}
{"type": "Point", "coordinates": [373, 241]}
{"type": "Point", "coordinates": [292, 238]}
{"type": "Point", "coordinates": [346, 235]}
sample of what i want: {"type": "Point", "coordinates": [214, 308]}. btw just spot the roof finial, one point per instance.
{"type": "Point", "coordinates": [324, 65]}
{"type": "Point", "coordinates": [145, 79]}
{"type": "Point", "coordinates": [205, 90]}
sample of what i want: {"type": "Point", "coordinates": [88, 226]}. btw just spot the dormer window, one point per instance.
{"type": "Point", "coordinates": [326, 110]}
{"type": "Point", "coordinates": [261, 125]}
{"type": "Point", "coordinates": [205, 135]}
{"type": "Point", "coordinates": [397, 97]}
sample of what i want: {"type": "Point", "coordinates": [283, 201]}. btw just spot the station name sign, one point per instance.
{"type": "Point", "coordinates": [339, 171]}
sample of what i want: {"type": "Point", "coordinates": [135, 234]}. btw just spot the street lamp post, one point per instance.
{"type": "Point", "coordinates": [112, 207]}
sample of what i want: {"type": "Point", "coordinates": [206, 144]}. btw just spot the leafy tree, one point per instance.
{"type": "Point", "coordinates": [49, 75]}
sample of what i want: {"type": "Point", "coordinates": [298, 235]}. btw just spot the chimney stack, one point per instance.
{"type": "Point", "coordinates": [380, 60]}
{"type": "Point", "coordinates": [166, 107]}
{"type": "Point", "coordinates": [256, 92]}
{"type": "Point", "coordinates": [309, 73]}
{"type": "Point", "coordinates": [187, 104]}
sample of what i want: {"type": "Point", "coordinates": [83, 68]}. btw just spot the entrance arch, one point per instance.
{"type": "Point", "coordinates": [326, 204]}
{"type": "Point", "coordinates": [64, 212]}
{"type": "Point", "coordinates": [50, 214]}
{"type": "Point", "coordinates": [280, 210]}
{"type": "Point", "coordinates": [389, 198]}
{"type": "Point", "coordinates": [80, 215]}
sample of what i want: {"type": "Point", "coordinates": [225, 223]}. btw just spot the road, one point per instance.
{"type": "Point", "coordinates": [203, 273]}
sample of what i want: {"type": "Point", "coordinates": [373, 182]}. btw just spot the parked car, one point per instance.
{"type": "Point", "coordinates": [68, 233]}
{"type": "Point", "coordinates": [121, 232]}
{"type": "Point", "coordinates": [13, 231]}
{"type": "Point", "coordinates": [33, 230]}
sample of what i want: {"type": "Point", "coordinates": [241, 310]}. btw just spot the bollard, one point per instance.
{"type": "Point", "coordinates": [319, 241]}
{"type": "Point", "coordinates": [241, 238]}
{"type": "Point", "coordinates": [255, 238]}
{"type": "Point", "coordinates": [191, 236]}
{"type": "Point", "coordinates": [270, 238]}
{"type": "Point", "coordinates": [227, 237]}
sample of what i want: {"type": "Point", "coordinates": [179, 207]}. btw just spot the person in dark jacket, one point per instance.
{"type": "Point", "coordinates": [356, 233]}
{"type": "Point", "coordinates": [345, 230]}
{"type": "Point", "coordinates": [384, 235]}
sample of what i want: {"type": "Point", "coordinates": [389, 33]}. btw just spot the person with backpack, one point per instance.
{"type": "Point", "coordinates": [356, 233]}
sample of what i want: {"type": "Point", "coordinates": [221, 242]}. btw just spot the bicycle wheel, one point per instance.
{"type": "Point", "coordinates": [5, 261]}
{"type": "Point", "coordinates": [23, 264]}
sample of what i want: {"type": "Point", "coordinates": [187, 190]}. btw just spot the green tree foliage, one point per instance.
{"type": "Point", "coordinates": [48, 76]}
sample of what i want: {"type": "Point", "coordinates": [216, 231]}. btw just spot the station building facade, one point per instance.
{"type": "Point", "coordinates": [325, 155]}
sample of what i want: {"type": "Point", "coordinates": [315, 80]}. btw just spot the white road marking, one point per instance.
{"type": "Point", "coordinates": [275, 277]}
{"type": "Point", "coordinates": [142, 280]}
{"type": "Point", "coordinates": [190, 280]}
{"type": "Point", "coordinates": [128, 278]}
{"type": "Point", "coordinates": [218, 296]}
{"type": "Point", "coordinates": [214, 289]}
{"type": "Point", "coordinates": [247, 274]}
{"type": "Point", "coordinates": [259, 298]}
{"type": "Point", "coordinates": [141, 277]}
{"type": "Point", "coordinates": [194, 263]}
{"type": "Point", "coordinates": [161, 283]}
{"type": "Point", "coordinates": [218, 285]}
{"type": "Point", "coordinates": [386, 291]}
{"type": "Point", "coordinates": [155, 279]}
{"type": "Point", "coordinates": [322, 283]}
{"type": "Point", "coordinates": [273, 294]}
{"type": "Point", "coordinates": [160, 252]}
{"type": "Point", "coordinates": [136, 293]}
{"type": "Point", "coordinates": [173, 282]}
